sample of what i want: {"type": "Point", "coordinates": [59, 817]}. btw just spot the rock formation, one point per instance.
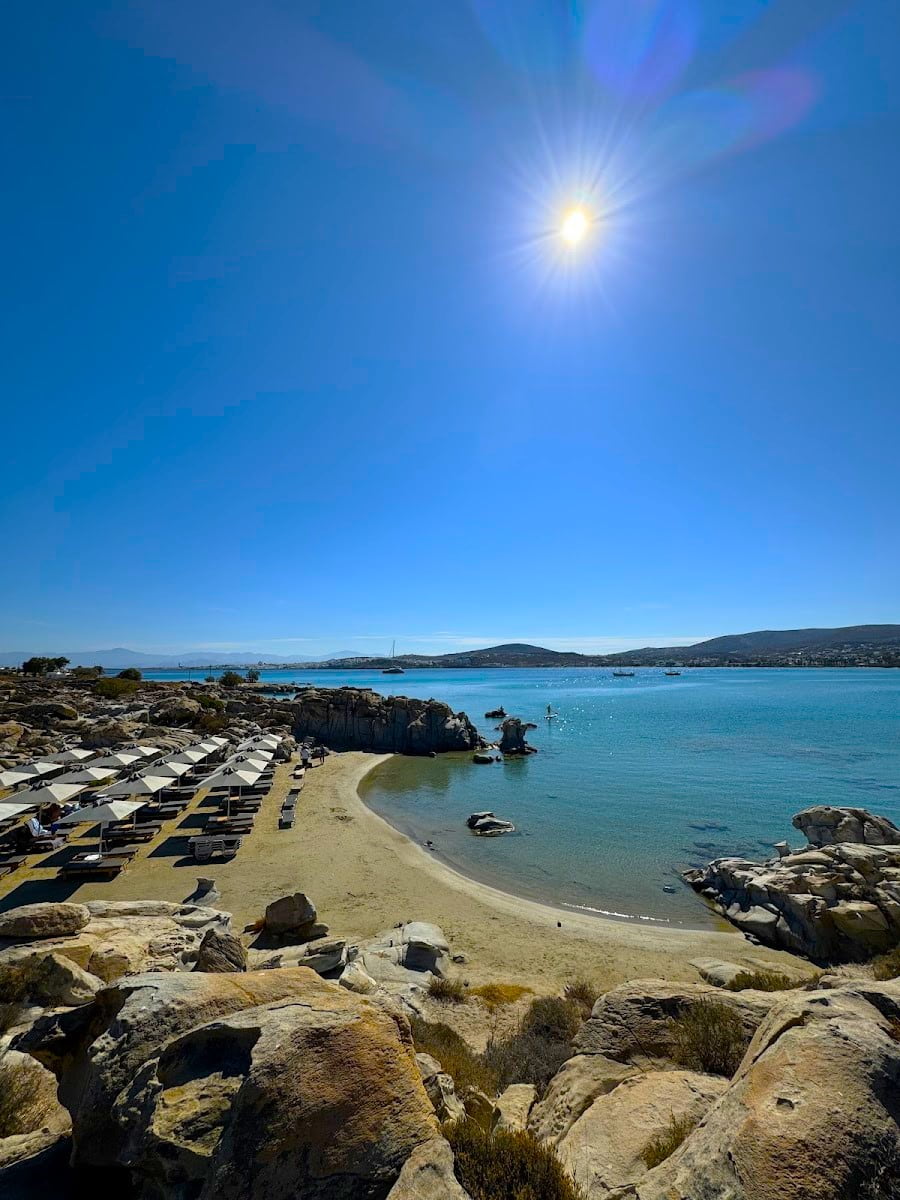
{"type": "Point", "coordinates": [838, 901]}
{"type": "Point", "coordinates": [512, 736]}
{"type": "Point", "coordinates": [359, 719]}
{"type": "Point", "coordinates": [485, 824]}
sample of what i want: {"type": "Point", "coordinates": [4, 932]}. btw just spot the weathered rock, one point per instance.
{"type": "Point", "coordinates": [482, 757]}
{"type": "Point", "coordinates": [837, 902]}
{"type": "Point", "coordinates": [47, 711]}
{"type": "Point", "coordinates": [515, 1103]}
{"type": "Point", "coordinates": [294, 915]}
{"type": "Point", "coordinates": [428, 1175]}
{"type": "Point", "coordinates": [103, 734]}
{"type": "Point", "coordinates": [221, 952]}
{"type": "Point", "coordinates": [175, 710]}
{"type": "Point", "coordinates": [812, 1112]}
{"type": "Point", "coordinates": [486, 824]}
{"type": "Point", "coordinates": [824, 825]}
{"type": "Point", "coordinates": [324, 956]}
{"type": "Point", "coordinates": [212, 1086]}
{"type": "Point", "coordinates": [205, 893]}
{"type": "Point", "coordinates": [603, 1149]}
{"type": "Point", "coordinates": [572, 1090]}
{"type": "Point", "coordinates": [441, 1089]}
{"type": "Point", "coordinates": [356, 979]}
{"type": "Point", "coordinates": [39, 1119]}
{"type": "Point", "coordinates": [10, 733]}
{"type": "Point", "coordinates": [51, 980]}
{"type": "Point", "coordinates": [718, 973]}
{"type": "Point", "coordinates": [43, 920]}
{"type": "Point", "coordinates": [406, 953]}
{"type": "Point", "coordinates": [634, 1019]}
{"type": "Point", "coordinates": [359, 719]}
{"type": "Point", "coordinates": [512, 736]}
{"type": "Point", "coordinates": [480, 1108]}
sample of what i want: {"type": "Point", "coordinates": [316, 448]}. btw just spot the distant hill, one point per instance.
{"type": "Point", "coordinates": [119, 657]}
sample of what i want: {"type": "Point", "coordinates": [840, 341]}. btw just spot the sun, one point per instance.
{"type": "Point", "coordinates": [575, 226]}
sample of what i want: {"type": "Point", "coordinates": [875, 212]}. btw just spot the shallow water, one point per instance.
{"type": "Point", "coordinates": [637, 778]}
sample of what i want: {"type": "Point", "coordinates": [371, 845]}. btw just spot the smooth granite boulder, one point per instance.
{"type": "Point", "coordinates": [43, 920]}
{"type": "Point", "coordinates": [571, 1092]}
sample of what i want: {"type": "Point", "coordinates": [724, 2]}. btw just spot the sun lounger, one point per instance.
{"type": "Point", "coordinates": [92, 866]}
{"type": "Point", "coordinates": [204, 847]}
{"type": "Point", "coordinates": [134, 833]}
{"type": "Point", "coordinates": [8, 865]}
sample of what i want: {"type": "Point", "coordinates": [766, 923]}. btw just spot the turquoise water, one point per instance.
{"type": "Point", "coordinates": [638, 778]}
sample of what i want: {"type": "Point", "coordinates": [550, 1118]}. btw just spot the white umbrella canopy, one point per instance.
{"type": "Point", "coordinates": [50, 793]}
{"type": "Point", "coordinates": [139, 785]}
{"type": "Point", "coordinates": [69, 756]}
{"type": "Point", "coordinates": [261, 755]}
{"type": "Point", "coordinates": [10, 809]}
{"type": "Point", "coordinates": [122, 758]}
{"type": "Point", "coordinates": [262, 743]}
{"type": "Point", "coordinates": [233, 777]}
{"type": "Point", "coordinates": [37, 769]}
{"type": "Point", "coordinates": [218, 741]}
{"type": "Point", "coordinates": [87, 775]}
{"type": "Point", "coordinates": [102, 814]}
{"type": "Point", "coordinates": [174, 770]}
{"type": "Point", "coordinates": [190, 756]}
{"type": "Point", "coordinates": [12, 778]}
{"type": "Point", "coordinates": [145, 751]}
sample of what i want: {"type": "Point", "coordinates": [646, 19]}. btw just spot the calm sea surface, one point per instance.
{"type": "Point", "coordinates": [637, 778]}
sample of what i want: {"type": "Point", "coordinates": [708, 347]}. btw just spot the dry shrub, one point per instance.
{"type": "Point", "coordinates": [21, 1103]}
{"type": "Point", "coordinates": [554, 1018]}
{"type": "Point", "coordinates": [448, 991]}
{"type": "Point", "coordinates": [709, 1036]}
{"type": "Point", "coordinates": [496, 995]}
{"type": "Point", "coordinates": [583, 993]}
{"type": "Point", "coordinates": [542, 1045]}
{"type": "Point", "coordinates": [456, 1057]}
{"type": "Point", "coordinates": [507, 1165]}
{"type": "Point", "coordinates": [660, 1147]}
{"type": "Point", "coordinates": [887, 966]}
{"type": "Point", "coordinates": [762, 981]}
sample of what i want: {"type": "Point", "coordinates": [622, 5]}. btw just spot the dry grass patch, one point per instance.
{"type": "Point", "coordinates": [448, 991]}
{"type": "Point", "coordinates": [456, 1057]}
{"type": "Point", "coordinates": [887, 966]}
{"type": "Point", "coordinates": [709, 1036]}
{"type": "Point", "coordinates": [762, 981]}
{"type": "Point", "coordinates": [583, 993]}
{"type": "Point", "coordinates": [21, 1099]}
{"type": "Point", "coordinates": [659, 1148]}
{"type": "Point", "coordinates": [498, 995]}
{"type": "Point", "coordinates": [504, 1165]}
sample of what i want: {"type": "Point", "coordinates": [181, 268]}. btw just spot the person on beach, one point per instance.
{"type": "Point", "coordinates": [320, 755]}
{"type": "Point", "coordinates": [304, 755]}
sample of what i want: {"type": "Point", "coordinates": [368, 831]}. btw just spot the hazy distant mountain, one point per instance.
{"type": "Point", "coordinates": [120, 657]}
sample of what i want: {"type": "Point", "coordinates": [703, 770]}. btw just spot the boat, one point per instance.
{"type": "Point", "coordinates": [673, 672]}
{"type": "Point", "coordinates": [623, 674]}
{"type": "Point", "coordinates": [393, 669]}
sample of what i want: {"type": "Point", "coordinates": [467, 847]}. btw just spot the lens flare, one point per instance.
{"type": "Point", "coordinates": [575, 226]}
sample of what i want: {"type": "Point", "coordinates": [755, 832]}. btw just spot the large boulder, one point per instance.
{"type": "Point", "coordinates": [441, 1089]}
{"type": "Point", "coordinates": [571, 1092]}
{"type": "Point", "coordinates": [37, 1119]}
{"type": "Point", "coordinates": [512, 736]}
{"type": "Point", "coordinates": [43, 920]}
{"type": "Point", "coordinates": [293, 915]}
{"type": "Point", "coordinates": [272, 1084]}
{"type": "Point", "coordinates": [515, 1103]}
{"type": "Point", "coordinates": [604, 1148]}
{"type": "Point", "coordinates": [175, 710]}
{"type": "Point", "coordinates": [48, 710]}
{"type": "Point", "coordinates": [428, 1175]}
{"type": "Point", "coordinates": [823, 825]}
{"type": "Point", "coordinates": [633, 1020]}
{"type": "Point", "coordinates": [812, 1112]}
{"type": "Point", "coordinates": [221, 952]}
{"type": "Point", "coordinates": [406, 953]}
{"type": "Point", "coordinates": [51, 980]}
{"type": "Point", "coordinates": [105, 734]}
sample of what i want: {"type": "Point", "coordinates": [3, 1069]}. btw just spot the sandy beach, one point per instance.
{"type": "Point", "coordinates": [365, 876]}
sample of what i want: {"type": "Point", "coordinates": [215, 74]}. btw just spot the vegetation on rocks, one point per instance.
{"type": "Point", "coordinates": [112, 689]}
{"type": "Point", "coordinates": [887, 966]}
{"type": "Point", "coordinates": [230, 679]}
{"type": "Point", "coordinates": [583, 993]}
{"type": "Point", "coordinates": [456, 1057]}
{"type": "Point", "coordinates": [20, 1097]}
{"type": "Point", "coordinates": [507, 1165]}
{"type": "Point", "coordinates": [496, 995]}
{"type": "Point", "coordinates": [761, 981]}
{"type": "Point", "coordinates": [450, 991]}
{"type": "Point", "coordinates": [130, 673]}
{"type": "Point", "coordinates": [543, 1043]}
{"type": "Point", "coordinates": [659, 1148]}
{"type": "Point", "coordinates": [710, 1037]}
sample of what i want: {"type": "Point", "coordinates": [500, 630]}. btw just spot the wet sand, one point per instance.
{"type": "Point", "coordinates": [365, 876]}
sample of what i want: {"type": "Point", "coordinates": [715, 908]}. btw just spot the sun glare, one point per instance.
{"type": "Point", "coordinates": [575, 226]}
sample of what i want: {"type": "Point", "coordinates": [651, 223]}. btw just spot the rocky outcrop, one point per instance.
{"type": "Point", "coordinates": [826, 826]}
{"type": "Point", "coordinates": [835, 902]}
{"type": "Point", "coordinates": [51, 980]}
{"type": "Point", "coordinates": [39, 1119]}
{"type": "Point", "coordinates": [515, 1103]}
{"type": "Point", "coordinates": [486, 824]}
{"type": "Point", "coordinates": [572, 1091]}
{"type": "Point", "coordinates": [359, 719]}
{"type": "Point", "coordinates": [512, 736]}
{"type": "Point", "coordinates": [406, 954]}
{"type": "Point", "coordinates": [811, 1114]}
{"type": "Point", "coordinates": [43, 920]}
{"type": "Point", "coordinates": [291, 916]}
{"type": "Point", "coordinates": [604, 1148]}
{"type": "Point", "coordinates": [428, 1175]}
{"type": "Point", "coordinates": [633, 1021]}
{"type": "Point", "coordinates": [441, 1089]}
{"type": "Point", "coordinates": [175, 710]}
{"type": "Point", "coordinates": [220, 952]}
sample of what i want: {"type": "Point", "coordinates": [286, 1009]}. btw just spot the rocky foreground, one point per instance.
{"type": "Point", "coordinates": [836, 900]}
{"type": "Point", "coordinates": [170, 1053]}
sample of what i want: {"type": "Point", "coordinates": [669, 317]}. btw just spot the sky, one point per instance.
{"type": "Point", "coordinates": [296, 360]}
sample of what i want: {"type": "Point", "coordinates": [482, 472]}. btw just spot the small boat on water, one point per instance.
{"type": "Point", "coordinates": [623, 674]}
{"type": "Point", "coordinates": [673, 672]}
{"type": "Point", "coordinates": [393, 669]}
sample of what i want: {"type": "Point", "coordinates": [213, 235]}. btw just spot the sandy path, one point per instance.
{"type": "Point", "coordinates": [365, 876]}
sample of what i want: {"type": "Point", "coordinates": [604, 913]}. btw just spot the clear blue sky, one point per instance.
{"type": "Point", "coordinates": [296, 360]}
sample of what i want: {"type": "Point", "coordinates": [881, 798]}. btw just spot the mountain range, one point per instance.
{"type": "Point", "coordinates": [850, 645]}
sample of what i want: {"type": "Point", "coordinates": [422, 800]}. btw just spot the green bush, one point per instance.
{"type": "Point", "coordinates": [553, 1018]}
{"type": "Point", "coordinates": [507, 1165]}
{"type": "Point", "coordinates": [456, 1057]}
{"type": "Point", "coordinates": [666, 1143]}
{"type": "Point", "coordinates": [211, 702]}
{"type": "Point", "coordinates": [130, 673]}
{"type": "Point", "coordinates": [211, 722]}
{"type": "Point", "coordinates": [526, 1058]}
{"type": "Point", "coordinates": [451, 991]}
{"type": "Point", "coordinates": [709, 1036]}
{"type": "Point", "coordinates": [761, 981]}
{"type": "Point", "coordinates": [112, 689]}
{"type": "Point", "coordinates": [230, 679]}
{"type": "Point", "coordinates": [887, 966]}
{"type": "Point", "coordinates": [21, 1101]}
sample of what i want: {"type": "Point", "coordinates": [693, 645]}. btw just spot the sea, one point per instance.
{"type": "Point", "coordinates": [635, 778]}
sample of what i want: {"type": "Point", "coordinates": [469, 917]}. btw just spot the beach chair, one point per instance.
{"type": "Point", "coordinates": [92, 866]}
{"type": "Point", "coordinates": [204, 847]}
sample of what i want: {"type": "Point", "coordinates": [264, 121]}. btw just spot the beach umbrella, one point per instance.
{"type": "Point", "coordinates": [10, 808]}
{"type": "Point", "coordinates": [37, 769]}
{"type": "Point", "coordinates": [190, 756]}
{"type": "Point", "coordinates": [86, 775]}
{"type": "Point", "coordinates": [51, 793]}
{"type": "Point", "coordinates": [237, 777]}
{"type": "Point", "coordinates": [69, 756]}
{"type": "Point", "coordinates": [144, 751]}
{"type": "Point", "coordinates": [139, 785]}
{"type": "Point", "coordinates": [173, 770]}
{"type": "Point", "coordinates": [218, 741]}
{"type": "Point", "coordinates": [115, 810]}
{"type": "Point", "coordinates": [122, 758]}
{"type": "Point", "coordinates": [13, 777]}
